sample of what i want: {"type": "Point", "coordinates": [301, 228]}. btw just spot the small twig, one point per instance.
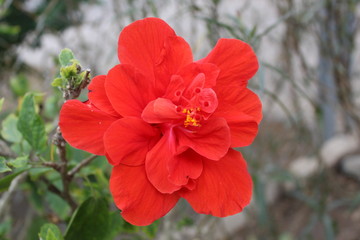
{"type": "Point", "coordinates": [82, 164]}
{"type": "Point", "coordinates": [72, 92]}
{"type": "Point", "coordinates": [86, 80]}
{"type": "Point", "coordinates": [60, 142]}
{"type": "Point", "coordinates": [52, 165]}
{"type": "Point", "coordinates": [66, 178]}
{"type": "Point", "coordinates": [52, 188]}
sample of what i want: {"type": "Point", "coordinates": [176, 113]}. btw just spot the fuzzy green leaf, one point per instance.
{"type": "Point", "coordinates": [65, 57]}
{"type": "Point", "coordinates": [69, 72]}
{"type": "Point", "coordinates": [19, 85]}
{"type": "Point", "coordinates": [3, 166]}
{"type": "Point", "coordinates": [19, 162]}
{"type": "Point", "coordinates": [6, 181]}
{"type": "Point", "coordinates": [30, 124]}
{"type": "Point", "coordinates": [9, 129]}
{"type": "Point", "coordinates": [50, 231]}
{"type": "Point", "coordinates": [91, 221]}
{"type": "Point", "coordinates": [58, 82]}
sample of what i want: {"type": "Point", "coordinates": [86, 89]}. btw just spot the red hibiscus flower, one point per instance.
{"type": "Point", "coordinates": [169, 124]}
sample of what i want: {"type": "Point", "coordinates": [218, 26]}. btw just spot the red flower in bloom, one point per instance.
{"type": "Point", "coordinates": [168, 124]}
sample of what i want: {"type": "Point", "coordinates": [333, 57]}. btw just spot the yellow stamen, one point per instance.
{"type": "Point", "coordinates": [190, 117]}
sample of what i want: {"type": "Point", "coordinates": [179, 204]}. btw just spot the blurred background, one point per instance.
{"type": "Point", "coordinates": [305, 162]}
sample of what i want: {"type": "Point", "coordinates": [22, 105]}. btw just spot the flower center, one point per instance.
{"type": "Point", "coordinates": [192, 117]}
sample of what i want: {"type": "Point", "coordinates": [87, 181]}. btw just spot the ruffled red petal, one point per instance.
{"type": "Point", "coordinates": [97, 95]}
{"type": "Point", "coordinates": [83, 126]}
{"type": "Point", "coordinates": [176, 54]}
{"type": "Point", "coordinates": [156, 164]}
{"type": "Point", "coordinates": [224, 188]}
{"type": "Point", "coordinates": [128, 140]}
{"type": "Point", "coordinates": [139, 201]}
{"type": "Point", "coordinates": [242, 111]}
{"type": "Point", "coordinates": [185, 166]}
{"type": "Point", "coordinates": [128, 90]}
{"type": "Point", "coordinates": [243, 129]}
{"type": "Point", "coordinates": [152, 46]}
{"type": "Point", "coordinates": [211, 140]}
{"type": "Point", "coordinates": [160, 110]}
{"type": "Point", "coordinates": [141, 44]}
{"type": "Point", "coordinates": [236, 60]}
{"type": "Point", "coordinates": [190, 71]}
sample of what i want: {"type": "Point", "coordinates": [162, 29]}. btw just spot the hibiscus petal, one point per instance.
{"type": "Point", "coordinates": [223, 189]}
{"type": "Point", "coordinates": [190, 71]}
{"type": "Point", "coordinates": [244, 101]}
{"type": "Point", "coordinates": [235, 59]}
{"type": "Point", "coordinates": [177, 53]}
{"type": "Point", "coordinates": [187, 165]}
{"type": "Point", "coordinates": [83, 126]}
{"type": "Point", "coordinates": [243, 129]}
{"type": "Point", "coordinates": [141, 43]}
{"type": "Point", "coordinates": [128, 90]}
{"type": "Point", "coordinates": [157, 164]}
{"type": "Point", "coordinates": [128, 140]}
{"type": "Point", "coordinates": [242, 111]}
{"type": "Point", "coordinates": [211, 140]}
{"type": "Point", "coordinates": [249, 103]}
{"type": "Point", "coordinates": [98, 97]}
{"type": "Point", "coordinates": [161, 110]}
{"type": "Point", "coordinates": [140, 202]}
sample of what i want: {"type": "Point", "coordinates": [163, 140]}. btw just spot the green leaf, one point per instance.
{"type": "Point", "coordinates": [51, 107]}
{"type": "Point", "coordinates": [32, 232]}
{"type": "Point", "coordinates": [59, 82]}
{"type": "Point", "coordinates": [65, 57]}
{"type": "Point", "coordinates": [1, 103]}
{"type": "Point", "coordinates": [117, 224]}
{"type": "Point", "coordinates": [36, 172]}
{"type": "Point", "coordinates": [3, 166]}
{"type": "Point", "coordinates": [8, 29]}
{"type": "Point", "coordinates": [58, 205]}
{"type": "Point", "coordinates": [69, 72]}
{"type": "Point", "coordinates": [19, 162]}
{"type": "Point", "coordinates": [6, 181]}
{"type": "Point", "coordinates": [21, 148]}
{"type": "Point", "coordinates": [30, 124]}
{"type": "Point", "coordinates": [50, 231]}
{"type": "Point", "coordinates": [91, 221]}
{"type": "Point", "coordinates": [9, 129]}
{"type": "Point", "coordinates": [19, 85]}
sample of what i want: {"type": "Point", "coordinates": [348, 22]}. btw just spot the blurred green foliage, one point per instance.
{"type": "Point", "coordinates": [20, 18]}
{"type": "Point", "coordinates": [28, 131]}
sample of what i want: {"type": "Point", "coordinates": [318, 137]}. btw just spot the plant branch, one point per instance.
{"type": "Point", "coordinates": [53, 165]}
{"type": "Point", "coordinates": [82, 164]}
{"type": "Point", "coordinates": [52, 188]}
{"type": "Point", "coordinates": [60, 142]}
{"type": "Point", "coordinates": [70, 92]}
